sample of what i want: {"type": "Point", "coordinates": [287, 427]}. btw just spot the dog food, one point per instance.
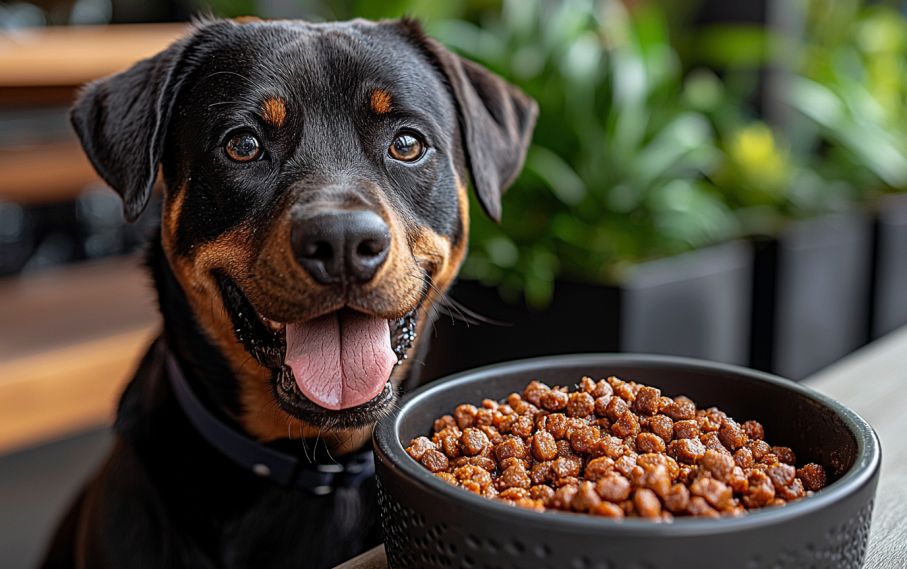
{"type": "Point", "coordinates": [615, 449]}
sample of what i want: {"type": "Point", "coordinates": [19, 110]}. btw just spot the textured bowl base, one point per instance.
{"type": "Point", "coordinates": [421, 540]}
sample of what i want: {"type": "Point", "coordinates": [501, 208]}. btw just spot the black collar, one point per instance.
{"type": "Point", "coordinates": [284, 469]}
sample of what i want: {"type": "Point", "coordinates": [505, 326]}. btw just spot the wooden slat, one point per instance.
{"type": "Point", "coordinates": [69, 338]}
{"type": "Point", "coordinates": [44, 173]}
{"type": "Point", "coordinates": [57, 393]}
{"type": "Point", "coordinates": [72, 55]}
{"type": "Point", "coordinates": [55, 308]}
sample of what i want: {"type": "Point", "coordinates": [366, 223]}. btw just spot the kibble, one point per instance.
{"type": "Point", "coordinates": [612, 448]}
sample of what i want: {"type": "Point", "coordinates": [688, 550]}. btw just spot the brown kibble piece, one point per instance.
{"type": "Point", "coordinates": [556, 424]}
{"type": "Point", "coordinates": [473, 474]}
{"type": "Point", "coordinates": [713, 442]}
{"type": "Point", "coordinates": [613, 487]}
{"type": "Point", "coordinates": [473, 442]}
{"type": "Point", "coordinates": [564, 467]}
{"type": "Point", "coordinates": [418, 447]}
{"type": "Point", "coordinates": [515, 493]}
{"type": "Point", "coordinates": [434, 460]}
{"type": "Point", "coordinates": [523, 427]}
{"type": "Point", "coordinates": [515, 477]}
{"type": "Point", "coordinates": [553, 400]}
{"type": "Point", "coordinates": [607, 510]}
{"type": "Point", "coordinates": [813, 477]}
{"type": "Point", "coordinates": [563, 497]}
{"type": "Point", "coordinates": [542, 492]}
{"type": "Point", "coordinates": [544, 446]}
{"type": "Point", "coordinates": [582, 440]}
{"type": "Point", "coordinates": [447, 477]}
{"type": "Point", "coordinates": [781, 474]}
{"type": "Point", "coordinates": [465, 416]}
{"type": "Point", "coordinates": [663, 426]}
{"type": "Point", "coordinates": [503, 422]}
{"type": "Point", "coordinates": [540, 473]}
{"type": "Point", "coordinates": [602, 389]}
{"type": "Point", "coordinates": [534, 391]}
{"type": "Point", "coordinates": [450, 445]}
{"type": "Point", "coordinates": [647, 503]}
{"type": "Point", "coordinates": [656, 479]}
{"type": "Point", "coordinates": [718, 464]}
{"type": "Point", "coordinates": [680, 410]}
{"type": "Point", "coordinates": [511, 447]}
{"type": "Point", "coordinates": [737, 480]}
{"type": "Point", "coordinates": [444, 422]}
{"type": "Point", "coordinates": [793, 492]}
{"type": "Point", "coordinates": [647, 400]}
{"type": "Point", "coordinates": [580, 404]}
{"type": "Point", "coordinates": [785, 455]}
{"type": "Point", "coordinates": [585, 498]}
{"type": "Point", "coordinates": [484, 417]}
{"type": "Point", "coordinates": [700, 508]}
{"type": "Point", "coordinates": [759, 449]}
{"type": "Point", "coordinates": [744, 458]}
{"type": "Point", "coordinates": [686, 450]}
{"type": "Point", "coordinates": [626, 426]}
{"type": "Point", "coordinates": [625, 464]}
{"type": "Point", "coordinates": [759, 489]}
{"type": "Point", "coordinates": [732, 436]}
{"type": "Point", "coordinates": [754, 430]}
{"type": "Point", "coordinates": [597, 468]}
{"type": "Point", "coordinates": [616, 408]}
{"type": "Point", "coordinates": [716, 493]}
{"type": "Point", "coordinates": [648, 442]}
{"type": "Point", "coordinates": [677, 499]}
{"type": "Point", "coordinates": [687, 429]}
{"type": "Point", "coordinates": [601, 405]}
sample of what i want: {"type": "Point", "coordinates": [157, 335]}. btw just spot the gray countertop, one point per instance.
{"type": "Point", "coordinates": [872, 382]}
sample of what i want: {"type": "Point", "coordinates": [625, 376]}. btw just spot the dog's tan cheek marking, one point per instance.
{"type": "Point", "coordinates": [231, 253]}
{"type": "Point", "coordinates": [274, 111]}
{"type": "Point", "coordinates": [381, 102]}
{"type": "Point", "coordinates": [437, 251]}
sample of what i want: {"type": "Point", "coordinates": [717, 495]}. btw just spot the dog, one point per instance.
{"type": "Point", "coordinates": [315, 209]}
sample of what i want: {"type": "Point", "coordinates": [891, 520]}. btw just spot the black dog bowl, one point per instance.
{"type": "Point", "coordinates": [429, 523]}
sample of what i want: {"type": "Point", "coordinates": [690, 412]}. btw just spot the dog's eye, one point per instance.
{"type": "Point", "coordinates": [406, 148]}
{"type": "Point", "coordinates": [243, 147]}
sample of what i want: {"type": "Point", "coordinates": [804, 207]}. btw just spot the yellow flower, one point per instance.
{"type": "Point", "coordinates": [761, 162]}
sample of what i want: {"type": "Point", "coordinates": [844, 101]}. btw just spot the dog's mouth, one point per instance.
{"type": "Point", "coordinates": [332, 372]}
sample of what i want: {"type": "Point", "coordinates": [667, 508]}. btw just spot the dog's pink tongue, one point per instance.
{"type": "Point", "coordinates": [342, 359]}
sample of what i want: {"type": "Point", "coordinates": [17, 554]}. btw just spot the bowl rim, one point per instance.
{"type": "Point", "coordinates": [866, 464]}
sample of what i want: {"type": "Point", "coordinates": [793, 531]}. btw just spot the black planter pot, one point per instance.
{"type": "Point", "coordinates": [811, 294]}
{"type": "Point", "coordinates": [889, 292]}
{"type": "Point", "coordinates": [696, 304]}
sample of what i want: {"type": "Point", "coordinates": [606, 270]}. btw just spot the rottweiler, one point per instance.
{"type": "Point", "coordinates": [315, 210]}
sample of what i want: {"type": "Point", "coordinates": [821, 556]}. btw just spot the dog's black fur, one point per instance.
{"type": "Point", "coordinates": [165, 498]}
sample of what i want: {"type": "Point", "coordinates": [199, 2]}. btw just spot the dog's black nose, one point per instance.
{"type": "Point", "coordinates": [337, 245]}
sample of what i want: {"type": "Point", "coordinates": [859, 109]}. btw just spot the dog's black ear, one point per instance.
{"type": "Point", "coordinates": [496, 120]}
{"type": "Point", "coordinates": [122, 121]}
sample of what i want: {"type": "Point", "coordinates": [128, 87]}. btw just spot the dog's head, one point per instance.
{"type": "Point", "coordinates": [315, 196]}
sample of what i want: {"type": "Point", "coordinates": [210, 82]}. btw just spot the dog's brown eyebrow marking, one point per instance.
{"type": "Point", "coordinates": [381, 102]}
{"type": "Point", "coordinates": [274, 111]}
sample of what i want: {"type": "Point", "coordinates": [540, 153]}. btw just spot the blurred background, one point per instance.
{"type": "Point", "coordinates": [722, 180]}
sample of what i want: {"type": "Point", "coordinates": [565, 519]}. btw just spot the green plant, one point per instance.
{"type": "Point", "coordinates": [852, 86]}
{"type": "Point", "coordinates": [617, 171]}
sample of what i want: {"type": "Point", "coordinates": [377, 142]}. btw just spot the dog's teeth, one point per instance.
{"type": "Point", "coordinates": [272, 324]}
